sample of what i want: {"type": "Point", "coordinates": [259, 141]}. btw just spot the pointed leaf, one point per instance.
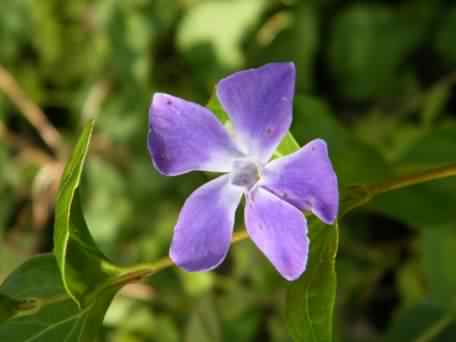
{"type": "Point", "coordinates": [51, 315]}
{"type": "Point", "coordinates": [311, 299]}
{"type": "Point", "coordinates": [83, 266]}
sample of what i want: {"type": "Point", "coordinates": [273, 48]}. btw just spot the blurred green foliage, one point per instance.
{"type": "Point", "coordinates": [375, 79]}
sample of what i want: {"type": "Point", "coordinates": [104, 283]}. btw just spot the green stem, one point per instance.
{"type": "Point", "coordinates": [141, 271]}
{"type": "Point", "coordinates": [408, 180]}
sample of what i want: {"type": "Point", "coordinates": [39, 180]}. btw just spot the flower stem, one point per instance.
{"type": "Point", "coordinates": [141, 271]}
{"type": "Point", "coordinates": [408, 180]}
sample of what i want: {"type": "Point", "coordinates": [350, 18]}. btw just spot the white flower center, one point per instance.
{"type": "Point", "coordinates": [245, 173]}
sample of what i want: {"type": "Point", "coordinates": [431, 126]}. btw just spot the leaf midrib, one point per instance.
{"type": "Point", "coordinates": [307, 297]}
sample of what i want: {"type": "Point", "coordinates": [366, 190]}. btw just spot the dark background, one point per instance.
{"type": "Point", "coordinates": [374, 78]}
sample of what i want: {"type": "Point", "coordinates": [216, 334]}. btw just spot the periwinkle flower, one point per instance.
{"type": "Point", "coordinates": [184, 136]}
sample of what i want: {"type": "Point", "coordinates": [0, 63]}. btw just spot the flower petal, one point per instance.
{"type": "Point", "coordinates": [203, 231]}
{"type": "Point", "coordinates": [184, 136]}
{"type": "Point", "coordinates": [305, 179]}
{"type": "Point", "coordinates": [279, 230]}
{"type": "Point", "coordinates": [260, 105]}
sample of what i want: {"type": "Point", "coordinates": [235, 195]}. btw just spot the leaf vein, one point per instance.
{"type": "Point", "coordinates": [53, 326]}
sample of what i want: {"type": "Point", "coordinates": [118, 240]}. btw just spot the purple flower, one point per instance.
{"type": "Point", "coordinates": [184, 136]}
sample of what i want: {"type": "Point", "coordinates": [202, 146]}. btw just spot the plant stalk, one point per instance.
{"type": "Point", "coordinates": [413, 179]}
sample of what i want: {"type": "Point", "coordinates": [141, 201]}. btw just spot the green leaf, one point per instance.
{"type": "Point", "coordinates": [296, 27]}
{"type": "Point", "coordinates": [204, 324]}
{"type": "Point", "coordinates": [410, 283]}
{"type": "Point", "coordinates": [411, 205]}
{"type": "Point", "coordinates": [438, 254]}
{"type": "Point", "coordinates": [84, 268]}
{"type": "Point", "coordinates": [211, 23]}
{"type": "Point", "coordinates": [445, 38]}
{"type": "Point", "coordinates": [311, 299]}
{"type": "Point", "coordinates": [287, 146]}
{"type": "Point", "coordinates": [432, 149]}
{"type": "Point", "coordinates": [435, 101]}
{"type": "Point", "coordinates": [354, 161]}
{"type": "Point", "coordinates": [9, 307]}
{"type": "Point", "coordinates": [422, 322]}
{"type": "Point", "coordinates": [367, 45]}
{"type": "Point", "coordinates": [51, 315]}
{"type": "Point", "coordinates": [215, 107]}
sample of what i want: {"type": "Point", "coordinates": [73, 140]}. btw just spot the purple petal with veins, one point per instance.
{"type": "Point", "coordinates": [184, 136]}
{"type": "Point", "coordinates": [279, 230]}
{"type": "Point", "coordinates": [260, 105]}
{"type": "Point", "coordinates": [305, 179]}
{"type": "Point", "coordinates": [203, 231]}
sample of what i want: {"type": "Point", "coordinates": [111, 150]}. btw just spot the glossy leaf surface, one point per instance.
{"type": "Point", "coordinates": [52, 316]}
{"type": "Point", "coordinates": [83, 267]}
